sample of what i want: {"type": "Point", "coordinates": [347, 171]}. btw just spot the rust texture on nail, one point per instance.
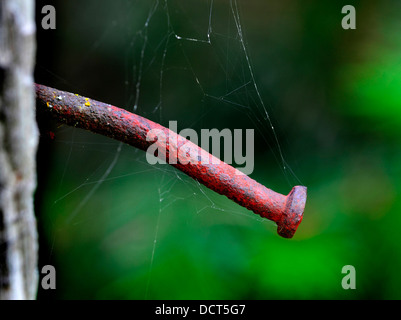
{"type": "Point", "coordinates": [132, 129]}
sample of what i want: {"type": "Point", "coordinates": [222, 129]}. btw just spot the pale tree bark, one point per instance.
{"type": "Point", "coordinates": [18, 143]}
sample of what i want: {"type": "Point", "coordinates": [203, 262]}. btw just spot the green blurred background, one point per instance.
{"type": "Point", "coordinates": [116, 227]}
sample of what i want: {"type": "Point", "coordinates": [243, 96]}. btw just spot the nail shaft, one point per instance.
{"type": "Point", "coordinates": [132, 129]}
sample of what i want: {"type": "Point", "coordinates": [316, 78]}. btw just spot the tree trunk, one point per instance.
{"type": "Point", "coordinates": [18, 143]}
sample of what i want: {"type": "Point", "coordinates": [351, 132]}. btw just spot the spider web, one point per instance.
{"type": "Point", "coordinates": [160, 68]}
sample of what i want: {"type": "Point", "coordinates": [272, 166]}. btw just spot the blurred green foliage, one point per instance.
{"type": "Point", "coordinates": [149, 233]}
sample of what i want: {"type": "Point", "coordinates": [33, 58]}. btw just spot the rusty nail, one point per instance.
{"type": "Point", "coordinates": [98, 117]}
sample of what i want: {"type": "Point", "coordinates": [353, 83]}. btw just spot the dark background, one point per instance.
{"type": "Point", "coordinates": [333, 97]}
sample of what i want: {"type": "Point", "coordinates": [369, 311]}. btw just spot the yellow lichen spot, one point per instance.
{"type": "Point", "coordinates": [87, 103]}
{"type": "Point", "coordinates": [77, 94]}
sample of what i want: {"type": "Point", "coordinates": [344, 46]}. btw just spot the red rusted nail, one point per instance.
{"type": "Point", "coordinates": [72, 109]}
